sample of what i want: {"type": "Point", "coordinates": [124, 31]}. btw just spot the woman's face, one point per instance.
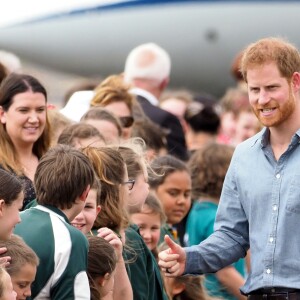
{"type": "Point", "coordinates": [10, 216]}
{"type": "Point", "coordinates": [175, 195]}
{"type": "Point", "coordinates": [25, 119]}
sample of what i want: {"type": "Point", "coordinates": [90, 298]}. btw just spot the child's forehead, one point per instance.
{"type": "Point", "coordinates": [27, 267]}
{"type": "Point", "coordinates": [146, 210]}
{"type": "Point", "coordinates": [93, 193]}
{"type": "Point", "coordinates": [176, 175]}
{"type": "Point", "coordinates": [92, 197]}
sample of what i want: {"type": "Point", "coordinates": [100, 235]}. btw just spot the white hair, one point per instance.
{"type": "Point", "coordinates": [147, 61]}
{"type": "Point", "coordinates": [10, 61]}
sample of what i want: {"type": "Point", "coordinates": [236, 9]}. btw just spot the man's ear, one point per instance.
{"type": "Point", "coordinates": [164, 83]}
{"type": "Point", "coordinates": [296, 81]}
{"type": "Point", "coordinates": [2, 115]}
{"type": "Point", "coordinates": [85, 193]}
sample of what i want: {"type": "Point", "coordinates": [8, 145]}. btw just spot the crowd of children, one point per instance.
{"type": "Point", "coordinates": [101, 188]}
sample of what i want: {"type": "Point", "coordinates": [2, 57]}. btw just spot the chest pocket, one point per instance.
{"type": "Point", "coordinates": [293, 201]}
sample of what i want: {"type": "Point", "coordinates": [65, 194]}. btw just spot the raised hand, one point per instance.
{"type": "Point", "coordinates": [112, 238]}
{"type": "Point", "coordinates": [5, 260]}
{"type": "Point", "coordinates": [172, 260]}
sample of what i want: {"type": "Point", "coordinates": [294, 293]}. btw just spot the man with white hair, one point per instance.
{"type": "Point", "coordinates": [147, 68]}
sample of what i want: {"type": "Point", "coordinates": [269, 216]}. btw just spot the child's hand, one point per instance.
{"type": "Point", "coordinates": [5, 260]}
{"type": "Point", "coordinates": [113, 239]}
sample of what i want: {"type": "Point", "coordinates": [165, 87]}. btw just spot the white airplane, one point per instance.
{"type": "Point", "coordinates": [94, 37]}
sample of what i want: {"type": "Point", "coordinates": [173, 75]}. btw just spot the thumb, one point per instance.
{"type": "Point", "coordinates": [172, 245]}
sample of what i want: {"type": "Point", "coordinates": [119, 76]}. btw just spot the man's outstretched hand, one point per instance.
{"type": "Point", "coordinates": [172, 261]}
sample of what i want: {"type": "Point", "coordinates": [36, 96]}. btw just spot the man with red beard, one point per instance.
{"type": "Point", "coordinates": [260, 202]}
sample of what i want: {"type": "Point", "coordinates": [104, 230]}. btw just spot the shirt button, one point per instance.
{"type": "Point", "coordinates": [278, 176]}
{"type": "Point", "coordinates": [274, 207]}
{"type": "Point", "coordinates": [271, 240]}
{"type": "Point", "coordinates": [268, 271]}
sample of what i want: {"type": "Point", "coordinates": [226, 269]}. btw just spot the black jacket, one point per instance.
{"type": "Point", "coordinates": [175, 138]}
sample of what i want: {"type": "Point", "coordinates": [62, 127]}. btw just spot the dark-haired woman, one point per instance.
{"type": "Point", "coordinates": [24, 128]}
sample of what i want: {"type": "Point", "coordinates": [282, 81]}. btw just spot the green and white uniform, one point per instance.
{"type": "Point", "coordinates": [62, 250]}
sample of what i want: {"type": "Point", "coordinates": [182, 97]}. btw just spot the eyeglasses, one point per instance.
{"type": "Point", "coordinates": [130, 183]}
{"type": "Point", "coordinates": [126, 121]}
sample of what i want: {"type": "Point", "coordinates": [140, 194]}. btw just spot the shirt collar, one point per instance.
{"type": "Point", "coordinates": [298, 133]}
{"type": "Point", "coordinates": [265, 137]}
{"type": "Point", "coordinates": [262, 137]}
{"type": "Point", "coordinates": [143, 93]}
{"type": "Point", "coordinates": [53, 210]}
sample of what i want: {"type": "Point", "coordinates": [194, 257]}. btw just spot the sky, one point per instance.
{"type": "Point", "coordinates": [15, 11]}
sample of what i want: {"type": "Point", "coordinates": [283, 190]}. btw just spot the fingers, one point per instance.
{"type": "Point", "coordinates": [5, 261]}
{"type": "Point", "coordinates": [2, 250]}
{"type": "Point", "coordinates": [172, 260]}
{"type": "Point", "coordinates": [107, 234]}
{"type": "Point", "coordinates": [167, 264]}
{"type": "Point", "coordinates": [112, 238]}
{"type": "Point", "coordinates": [167, 260]}
{"type": "Point", "coordinates": [172, 271]}
{"type": "Point", "coordinates": [166, 256]}
{"type": "Point", "coordinates": [172, 245]}
{"type": "Point", "coordinates": [103, 231]}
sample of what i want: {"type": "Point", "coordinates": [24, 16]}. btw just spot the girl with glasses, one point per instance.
{"type": "Point", "coordinates": [133, 154]}
{"type": "Point", "coordinates": [115, 201]}
{"type": "Point", "coordinates": [108, 199]}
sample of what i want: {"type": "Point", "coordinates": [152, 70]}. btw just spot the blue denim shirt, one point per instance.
{"type": "Point", "coordinates": [260, 209]}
